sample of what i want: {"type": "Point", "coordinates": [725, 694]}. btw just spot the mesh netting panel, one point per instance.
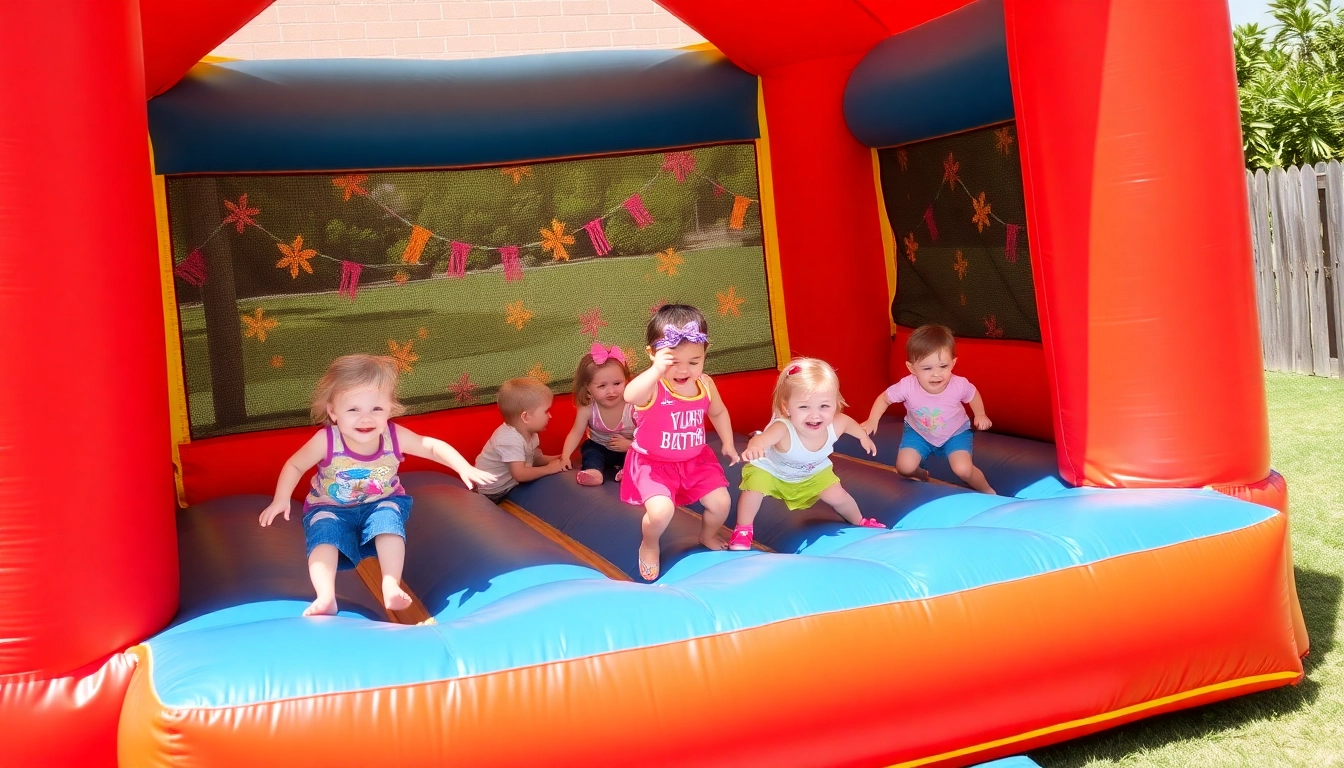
{"type": "Point", "coordinates": [468, 278]}
{"type": "Point", "coordinates": [962, 253]}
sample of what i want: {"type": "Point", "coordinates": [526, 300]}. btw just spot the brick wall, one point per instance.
{"type": "Point", "coordinates": [451, 29]}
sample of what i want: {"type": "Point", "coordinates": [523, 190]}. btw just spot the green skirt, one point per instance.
{"type": "Point", "coordinates": [799, 495]}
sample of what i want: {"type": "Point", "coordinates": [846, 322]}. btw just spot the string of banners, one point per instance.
{"type": "Point", "coordinates": [296, 256]}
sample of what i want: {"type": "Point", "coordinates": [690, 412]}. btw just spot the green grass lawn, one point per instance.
{"type": "Point", "coordinates": [457, 326]}
{"type": "Point", "coordinates": [1301, 725]}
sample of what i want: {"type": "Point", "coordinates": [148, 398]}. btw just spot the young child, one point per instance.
{"type": "Point", "coordinates": [513, 453]}
{"type": "Point", "coordinates": [935, 421]}
{"type": "Point", "coordinates": [791, 459]}
{"type": "Point", "coordinates": [357, 507]}
{"type": "Point", "coordinates": [599, 400]}
{"type": "Point", "coordinates": [669, 462]}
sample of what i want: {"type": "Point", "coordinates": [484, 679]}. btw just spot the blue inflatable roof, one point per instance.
{"type": "Point", "coordinates": [945, 76]}
{"type": "Point", "coordinates": [342, 114]}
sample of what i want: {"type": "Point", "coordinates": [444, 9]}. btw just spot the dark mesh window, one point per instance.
{"type": "Point", "coordinates": [963, 258]}
{"type": "Point", "coordinates": [468, 278]}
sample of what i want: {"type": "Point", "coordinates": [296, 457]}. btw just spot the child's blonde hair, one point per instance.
{"type": "Point", "coordinates": [355, 372]}
{"type": "Point", "coordinates": [587, 370]}
{"type": "Point", "coordinates": [930, 340]}
{"type": "Point", "coordinates": [522, 394]}
{"type": "Point", "coordinates": [805, 375]}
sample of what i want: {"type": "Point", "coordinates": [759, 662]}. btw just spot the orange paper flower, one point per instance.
{"type": "Point", "coordinates": [555, 240]}
{"type": "Point", "coordinates": [258, 325]}
{"type": "Point", "coordinates": [295, 257]}
{"type": "Point", "coordinates": [730, 301]}
{"type": "Point", "coordinates": [668, 261]}
{"type": "Point", "coordinates": [981, 217]}
{"type": "Point", "coordinates": [351, 184]}
{"type": "Point", "coordinates": [402, 355]}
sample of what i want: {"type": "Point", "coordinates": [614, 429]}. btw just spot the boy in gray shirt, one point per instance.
{"type": "Point", "coordinates": [513, 453]}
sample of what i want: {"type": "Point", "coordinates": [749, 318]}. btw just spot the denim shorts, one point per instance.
{"type": "Point", "coordinates": [352, 529]}
{"type": "Point", "coordinates": [961, 441]}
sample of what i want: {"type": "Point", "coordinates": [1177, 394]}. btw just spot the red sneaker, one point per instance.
{"type": "Point", "coordinates": [741, 539]}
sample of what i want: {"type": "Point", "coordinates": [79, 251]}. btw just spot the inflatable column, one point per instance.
{"type": "Point", "coordinates": [87, 541]}
{"type": "Point", "coordinates": [1131, 155]}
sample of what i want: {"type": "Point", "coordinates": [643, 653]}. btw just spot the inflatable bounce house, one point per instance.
{"type": "Point", "coordinates": [821, 179]}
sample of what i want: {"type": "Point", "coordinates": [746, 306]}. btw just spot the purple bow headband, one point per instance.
{"type": "Point", "coordinates": [672, 336]}
{"type": "Point", "coordinates": [601, 354]}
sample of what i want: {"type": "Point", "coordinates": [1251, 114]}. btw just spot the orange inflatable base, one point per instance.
{"type": "Point", "coordinates": [948, 680]}
{"type": "Point", "coordinates": [65, 721]}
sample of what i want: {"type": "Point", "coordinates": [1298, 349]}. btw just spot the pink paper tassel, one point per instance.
{"type": "Point", "coordinates": [513, 268]}
{"type": "Point", "coordinates": [635, 205]}
{"type": "Point", "coordinates": [192, 269]}
{"type": "Point", "coordinates": [599, 238]}
{"type": "Point", "coordinates": [349, 279]}
{"type": "Point", "coordinates": [1010, 248]}
{"type": "Point", "coordinates": [457, 258]}
{"type": "Point", "coordinates": [928, 221]}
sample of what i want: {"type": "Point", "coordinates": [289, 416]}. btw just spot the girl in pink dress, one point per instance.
{"type": "Point", "coordinates": [668, 463]}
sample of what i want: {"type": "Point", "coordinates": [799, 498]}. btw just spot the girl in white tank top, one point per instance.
{"type": "Point", "coordinates": [791, 459]}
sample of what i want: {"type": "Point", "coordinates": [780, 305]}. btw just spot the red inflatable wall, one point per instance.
{"type": "Point", "coordinates": [86, 503]}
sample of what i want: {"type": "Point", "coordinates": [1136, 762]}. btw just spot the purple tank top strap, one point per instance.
{"type": "Point", "coordinates": [396, 446]}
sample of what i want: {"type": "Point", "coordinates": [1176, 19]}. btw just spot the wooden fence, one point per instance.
{"type": "Point", "coordinates": [1297, 227]}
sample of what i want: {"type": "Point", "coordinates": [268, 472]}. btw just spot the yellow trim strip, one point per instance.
{"type": "Point", "coordinates": [1115, 714]}
{"type": "Point", "coordinates": [700, 391]}
{"type": "Point", "coordinates": [774, 274]}
{"type": "Point", "coordinates": [888, 236]}
{"type": "Point", "coordinates": [178, 419]}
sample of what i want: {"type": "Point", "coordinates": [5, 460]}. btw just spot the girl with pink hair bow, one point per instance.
{"type": "Point", "coordinates": [601, 412]}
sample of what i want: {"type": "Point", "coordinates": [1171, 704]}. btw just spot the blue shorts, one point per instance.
{"type": "Point", "coordinates": [961, 441]}
{"type": "Point", "coordinates": [351, 530]}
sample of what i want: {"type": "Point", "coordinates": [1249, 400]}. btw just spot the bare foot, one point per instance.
{"type": "Point", "coordinates": [394, 597]}
{"type": "Point", "coordinates": [648, 563]}
{"type": "Point", "coordinates": [713, 543]}
{"type": "Point", "coordinates": [920, 475]}
{"type": "Point", "coordinates": [589, 477]}
{"type": "Point", "coordinates": [322, 606]}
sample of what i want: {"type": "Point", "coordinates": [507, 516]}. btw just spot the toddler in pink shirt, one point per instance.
{"type": "Point", "coordinates": [935, 421]}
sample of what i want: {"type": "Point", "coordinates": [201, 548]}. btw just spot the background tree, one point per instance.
{"type": "Point", "coordinates": [1291, 85]}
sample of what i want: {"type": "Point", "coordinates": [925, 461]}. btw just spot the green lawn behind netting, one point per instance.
{"type": "Point", "coordinates": [457, 326]}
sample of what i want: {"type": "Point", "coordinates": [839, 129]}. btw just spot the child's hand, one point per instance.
{"type": "Point", "coordinates": [755, 448]}
{"type": "Point", "coordinates": [566, 463]}
{"type": "Point", "coordinates": [620, 443]}
{"type": "Point", "coordinates": [982, 423]}
{"type": "Point", "coordinates": [276, 507]}
{"type": "Point", "coordinates": [730, 451]}
{"type": "Point", "coordinates": [473, 477]}
{"type": "Point", "coordinates": [870, 426]}
{"type": "Point", "coordinates": [662, 360]}
{"type": "Point", "coordinates": [556, 465]}
{"type": "Point", "coordinates": [868, 446]}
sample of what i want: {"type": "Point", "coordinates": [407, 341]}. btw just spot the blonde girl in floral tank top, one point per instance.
{"type": "Point", "coordinates": [600, 413]}
{"type": "Point", "coordinates": [356, 507]}
{"type": "Point", "coordinates": [668, 463]}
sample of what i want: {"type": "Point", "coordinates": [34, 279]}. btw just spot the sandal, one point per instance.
{"type": "Point", "coordinates": [647, 572]}
{"type": "Point", "coordinates": [872, 522]}
{"type": "Point", "coordinates": [742, 536]}
{"type": "Point", "coordinates": [584, 478]}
